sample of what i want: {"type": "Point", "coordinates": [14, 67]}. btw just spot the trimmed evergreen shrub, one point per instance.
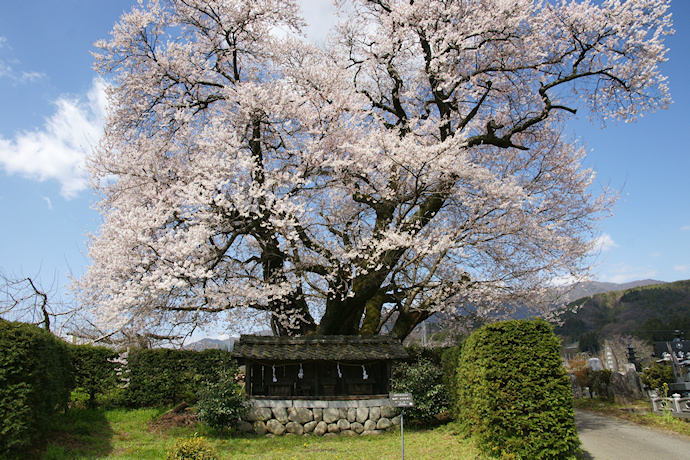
{"type": "Point", "coordinates": [424, 380]}
{"type": "Point", "coordinates": [513, 393]}
{"type": "Point", "coordinates": [36, 380]}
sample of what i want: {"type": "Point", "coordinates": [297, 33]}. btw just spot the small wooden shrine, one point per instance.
{"type": "Point", "coordinates": [317, 367]}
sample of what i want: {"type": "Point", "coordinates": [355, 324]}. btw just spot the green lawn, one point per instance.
{"type": "Point", "coordinates": [134, 434]}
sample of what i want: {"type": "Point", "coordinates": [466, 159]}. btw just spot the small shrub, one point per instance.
{"type": "Point", "coordinates": [600, 382]}
{"type": "Point", "coordinates": [656, 375]}
{"type": "Point", "coordinates": [424, 380]}
{"type": "Point", "coordinates": [221, 401]}
{"type": "Point", "coordinates": [194, 448]}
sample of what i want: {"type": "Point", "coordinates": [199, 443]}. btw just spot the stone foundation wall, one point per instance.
{"type": "Point", "coordinates": [320, 418]}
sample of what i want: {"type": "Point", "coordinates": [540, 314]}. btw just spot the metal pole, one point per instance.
{"type": "Point", "coordinates": [402, 435]}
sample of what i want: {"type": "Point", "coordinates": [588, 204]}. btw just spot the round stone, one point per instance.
{"type": "Point", "coordinates": [280, 414]}
{"type": "Point", "coordinates": [309, 426]}
{"type": "Point", "coordinates": [357, 427]}
{"type": "Point", "coordinates": [300, 415]}
{"type": "Point", "coordinates": [275, 427]}
{"type": "Point", "coordinates": [383, 424]}
{"type": "Point", "coordinates": [362, 414]}
{"type": "Point", "coordinates": [343, 424]}
{"type": "Point", "coordinates": [331, 415]}
{"type": "Point", "coordinates": [260, 428]}
{"type": "Point", "coordinates": [388, 412]}
{"type": "Point", "coordinates": [294, 428]}
{"type": "Point", "coordinates": [321, 428]}
{"type": "Point", "coordinates": [257, 414]}
{"type": "Point", "coordinates": [352, 414]}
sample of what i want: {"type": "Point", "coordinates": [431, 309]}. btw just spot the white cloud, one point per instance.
{"type": "Point", "coordinates": [8, 71]}
{"type": "Point", "coordinates": [623, 273]}
{"type": "Point", "coordinates": [681, 268]}
{"type": "Point", "coordinates": [48, 202]}
{"type": "Point", "coordinates": [57, 151]}
{"type": "Point", "coordinates": [603, 243]}
{"type": "Point", "coordinates": [685, 228]}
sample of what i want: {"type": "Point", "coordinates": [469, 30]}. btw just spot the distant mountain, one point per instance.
{"type": "Point", "coordinates": [657, 307]}
{"type": "Point", "coordinates": [205, 344]}
{"type": "Point", "coordinates": [590, 288]}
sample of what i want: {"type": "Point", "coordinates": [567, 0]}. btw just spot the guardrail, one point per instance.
{"type": "Point", "coordinates": [675, 405]}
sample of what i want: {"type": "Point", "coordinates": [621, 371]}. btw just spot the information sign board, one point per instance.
{"type": "Point", "coordinates": [401, 399]}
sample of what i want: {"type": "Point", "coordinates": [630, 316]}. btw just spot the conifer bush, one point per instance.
{"type": "Point", "coordinates": [513, 393]}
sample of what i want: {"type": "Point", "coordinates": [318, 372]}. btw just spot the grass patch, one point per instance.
{"type": "Point", "coordinates": [640, 412]}
{"type": "Point", "coordinates": [144, 434]}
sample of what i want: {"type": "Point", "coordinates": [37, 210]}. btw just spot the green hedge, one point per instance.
{"type": "Point", "coordinates": [449, 367]}
{"type": "Point", "coordinates": [95, 371]}
{"type": "Point", "coordinates": [36, 380]}
{"type": "Point", "coordinates": [163, 376]}
{"type": "Point", "coordinates": [144, 377]}
{"type": "Point", "coordinates": [513, 393]}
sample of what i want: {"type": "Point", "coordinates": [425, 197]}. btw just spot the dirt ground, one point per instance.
{"type": "Point", "coordinates": [172, 420]}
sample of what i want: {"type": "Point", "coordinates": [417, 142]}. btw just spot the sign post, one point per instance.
{"type": "Point", "coordinates": [402, 400]}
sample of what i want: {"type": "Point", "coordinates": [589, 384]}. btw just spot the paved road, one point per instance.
{"type": "Point", "coordinates": [605, 438]}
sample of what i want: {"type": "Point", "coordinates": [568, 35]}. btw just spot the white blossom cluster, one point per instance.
{"type": "Point", "coordinates": [415, 164]}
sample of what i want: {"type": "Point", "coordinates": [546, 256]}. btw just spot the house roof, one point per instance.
{"type": "Point", "coordinates": [319, 348]}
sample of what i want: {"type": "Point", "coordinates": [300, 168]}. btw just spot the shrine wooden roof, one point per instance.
{"type": "Point", "coordinates": [319, 348]}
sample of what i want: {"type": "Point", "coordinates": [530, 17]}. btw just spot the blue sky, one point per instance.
{"type": "Point", "coordinates": [49, 117]}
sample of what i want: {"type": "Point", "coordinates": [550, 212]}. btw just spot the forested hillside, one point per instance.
{"type": "Point", "coordinates": [651, 312]}
{"type": "Point", "coordinates": [590, 288]}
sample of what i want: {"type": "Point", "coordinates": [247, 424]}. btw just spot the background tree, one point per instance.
{"type": "Point", "coordinates": [415, 164]}
{"type": "Point", "coordinates": [28, 300]}
{"type": "Point", "coordinates": [23, 299]}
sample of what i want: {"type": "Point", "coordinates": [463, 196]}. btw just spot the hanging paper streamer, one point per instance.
{"type": "Point", "coordinates": [274, 375]}
{"type": "Point", "coordinates": [340, 374]}
{"type": "Point", "coordinates": [300, 374]}
{"type": "Point", "coordinates": [364, 373]}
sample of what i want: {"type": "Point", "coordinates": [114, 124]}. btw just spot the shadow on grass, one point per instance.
{"type": "Point", "coordinates": [79, 433]}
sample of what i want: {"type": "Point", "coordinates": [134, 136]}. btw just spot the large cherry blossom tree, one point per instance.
{"type": "Point", "coordinates": [414, 164]}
